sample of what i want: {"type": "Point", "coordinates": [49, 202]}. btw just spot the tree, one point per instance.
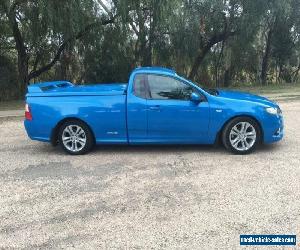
{"type": "Point", "coordinates": [215, 42]}
{"type": "Point", "coordinates": [216, 24]}
{"type": "Point", "coordinates": [34, 23]}
{"type": "Point", "coordinates": [276, 22]}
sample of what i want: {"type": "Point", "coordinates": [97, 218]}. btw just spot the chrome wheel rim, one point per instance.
{"type": "Point", "coordinates": [74, 138]}
{"type": "Point", "coordinates": [242, 136]}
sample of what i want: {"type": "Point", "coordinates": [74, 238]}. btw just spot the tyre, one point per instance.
{"type": "Point", "coordinates": [241, 135]}
{"type": "Point", "coordinates": [75, 137]}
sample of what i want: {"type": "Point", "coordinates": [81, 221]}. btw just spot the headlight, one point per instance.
{"type": "Point", "coordinates": [273, 111]}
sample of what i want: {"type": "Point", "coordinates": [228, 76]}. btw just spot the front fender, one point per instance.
{"type": "Point", "coordinates": [224, 110]}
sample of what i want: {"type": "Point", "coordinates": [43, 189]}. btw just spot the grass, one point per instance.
{"type": "Point", "coordinates": [284, 92]}
{"type": "Point", "coordinates": [271, 89]}
{"type": "Point", "coordinates": [12, 105]}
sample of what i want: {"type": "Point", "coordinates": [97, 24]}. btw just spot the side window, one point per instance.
{"type": "Point", "coordinates": [164, 87]}
{"type": "Point", "coordinates": [139, 86]}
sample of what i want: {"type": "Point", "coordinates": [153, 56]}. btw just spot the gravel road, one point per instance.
{"type": "Point", "coordinates": [179, 197]}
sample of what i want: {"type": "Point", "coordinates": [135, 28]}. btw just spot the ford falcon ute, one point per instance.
{"type": "Point", "coordinates": [156, 106]}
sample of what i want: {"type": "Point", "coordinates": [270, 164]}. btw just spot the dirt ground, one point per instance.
{"type": "Point", "coordinates": [172, 197]}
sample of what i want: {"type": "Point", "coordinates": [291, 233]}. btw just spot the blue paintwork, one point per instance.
{"type": "Point", "coordinates": [116, 115]}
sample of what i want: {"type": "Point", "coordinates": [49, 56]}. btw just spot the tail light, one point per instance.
{"type": "Point", "coordinates": [28, 115]}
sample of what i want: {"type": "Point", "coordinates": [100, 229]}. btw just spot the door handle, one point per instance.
{"type": "Point", "coordinates": [156, 107]}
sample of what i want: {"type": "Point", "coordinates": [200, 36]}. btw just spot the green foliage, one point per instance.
{"type": "Point", "coordinates": [108, 57]}
{"type": "Point", "coordinates": [233, 41]}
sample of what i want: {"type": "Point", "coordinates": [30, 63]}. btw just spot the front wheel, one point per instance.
{"type": "Point", "coordinates": [75, 137]}
{"type": "Point", "coordinates": [241, 135]}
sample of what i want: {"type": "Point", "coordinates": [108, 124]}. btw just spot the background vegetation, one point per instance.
{"type": "Point", "coordinates": [213, 42]}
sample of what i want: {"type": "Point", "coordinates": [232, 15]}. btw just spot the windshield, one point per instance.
{"type": "Point", "coordinates": [210, 91]}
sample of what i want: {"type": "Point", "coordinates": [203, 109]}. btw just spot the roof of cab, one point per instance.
{"type": "Point", "coordinates": [155, 69]}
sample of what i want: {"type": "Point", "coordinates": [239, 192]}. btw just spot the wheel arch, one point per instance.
{"type": "Point", "coordinates": [55, 130]}
{"type": "Point", "coordinates": [219, 134]}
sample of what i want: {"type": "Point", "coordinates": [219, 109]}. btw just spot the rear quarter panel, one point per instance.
{"type": "Point", "coordinates": [105, 115]}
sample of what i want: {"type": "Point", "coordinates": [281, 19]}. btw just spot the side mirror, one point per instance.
{"type": "Point", "coordinates": [195, 98]}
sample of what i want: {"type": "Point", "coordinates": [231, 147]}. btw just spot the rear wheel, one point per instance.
{"type": "Point", "coordinates": [241, 135]}
{"type": "Point", "coordinates": [75, 137]}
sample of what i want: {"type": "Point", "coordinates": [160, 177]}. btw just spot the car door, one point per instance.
{"type": "Point", "coordinates": [172, 116]}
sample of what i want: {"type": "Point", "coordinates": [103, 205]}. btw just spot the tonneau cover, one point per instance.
{"type": "Point", "coordinates": [64, 88]}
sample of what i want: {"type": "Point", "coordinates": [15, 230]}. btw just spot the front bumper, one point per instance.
{"type": "Point", "coordinates": [273, 128]}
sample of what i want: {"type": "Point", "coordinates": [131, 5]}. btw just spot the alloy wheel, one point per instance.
{"type": "Point", "coordinates": [74, 138]}
{"type": "Point", "coordinates": [242, 136]}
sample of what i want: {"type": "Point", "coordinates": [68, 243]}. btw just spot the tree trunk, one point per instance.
{"type": "Point", "coordinates": [227, 66]}
{"type": "Point", "coordinates": [23, 75]}
{"type": "Point", "coordinates": [198, 61]}
{"type": "Point", "coordinates": [20, 48]}
{"type": "Point", "coordinates": [206, 48]}
{"type": "Point", "coordinates": [266, 57]}
{"type": "Point", "coordinates": [227, 78]}
{"type": "Point", "coordinates": [296, 72]}
{"type": "Point", "coordinates": [218, 64]}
